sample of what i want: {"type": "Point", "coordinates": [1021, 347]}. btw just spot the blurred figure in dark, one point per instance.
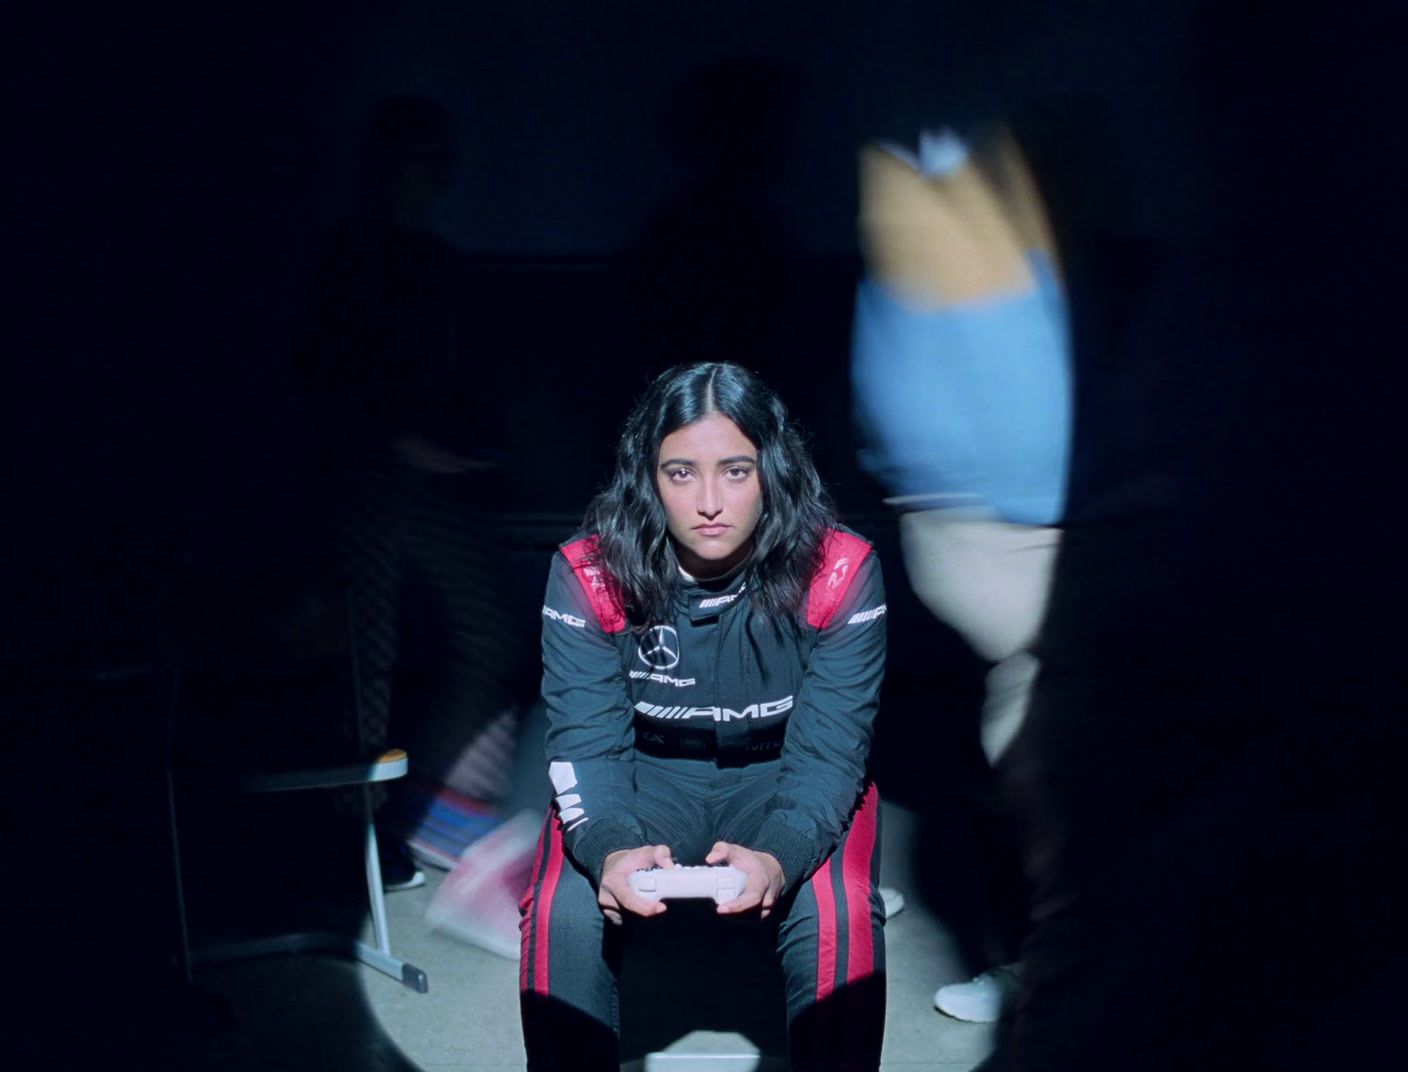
{"type": "Point", "coordinates": [1211, 760]}
{"type": "Point", "coordinates": [715, 271]}
{"type": "Point", "coordinates": [406, 409]}
{"type": "Point", "coordinates": [1213, 749]}
{"type": "Point", "coordinates": [962, 385]}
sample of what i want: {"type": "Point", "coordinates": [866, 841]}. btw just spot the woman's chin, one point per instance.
{"type": "Point", "coordinates": [707, 561]}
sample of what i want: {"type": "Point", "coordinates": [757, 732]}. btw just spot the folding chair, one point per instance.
{"type": "Point", "coordinates": [189, 652]}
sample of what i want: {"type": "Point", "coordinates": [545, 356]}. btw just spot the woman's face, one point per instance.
{"type": "Point", "coordinates": [707, 473]}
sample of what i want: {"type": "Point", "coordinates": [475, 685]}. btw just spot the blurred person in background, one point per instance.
{"type": "Point", "coordinates": [1208, 768]}
{"type": "Point", "coordinates": [406, 414]}
{"type": "Point", "coordinates": [962, 385]}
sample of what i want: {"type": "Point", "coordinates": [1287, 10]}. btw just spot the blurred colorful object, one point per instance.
{"type": "Point", "coordinates": [961, 365]}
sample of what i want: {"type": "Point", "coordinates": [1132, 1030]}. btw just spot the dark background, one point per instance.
{"type": "Point", "coordinates": [175, 173]}
{"type": "Point", "coordinates": [635, 188]}
{"type": "Point", "coordinates": [172, 172]}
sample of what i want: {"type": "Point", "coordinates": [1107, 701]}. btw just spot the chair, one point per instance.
{"type": "Point", "coordinates": [273, 635]}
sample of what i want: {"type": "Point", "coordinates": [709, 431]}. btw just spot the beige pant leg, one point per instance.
{"type": "Point", "coordinates": [989, 580]}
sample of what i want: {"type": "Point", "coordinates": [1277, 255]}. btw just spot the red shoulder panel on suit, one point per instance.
{"type": "Point", "coordinates": [842, 554]}
{"type": "Point", "coordinates": [601, 593]}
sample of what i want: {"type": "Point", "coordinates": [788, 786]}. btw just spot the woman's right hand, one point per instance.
{"type": "Point", "coordinates": [614, 893]}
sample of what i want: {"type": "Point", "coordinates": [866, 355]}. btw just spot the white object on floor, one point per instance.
{"type": "Point", "coordinates": [894, 901]}
{"type": "Point", "coordinates": [981, 1000]}
{"type": "Point", "coordinates": [414, 881]}
{"type": "Point", "coordinates": [478, 900]}
{"type": "Point", "coordinates": [706, 1051]}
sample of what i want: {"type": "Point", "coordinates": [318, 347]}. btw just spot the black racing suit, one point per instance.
{"type": "Point", "coordinates": [718, 724]}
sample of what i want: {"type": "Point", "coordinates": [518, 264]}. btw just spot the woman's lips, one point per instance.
{"type": "Point", "coordinates": [711, 530]}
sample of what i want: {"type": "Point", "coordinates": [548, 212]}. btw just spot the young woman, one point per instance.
{"type": "Point", "coordinates": [713, 647]}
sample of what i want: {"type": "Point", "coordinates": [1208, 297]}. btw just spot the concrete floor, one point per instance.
{"type": "Point", "coordinates": [311, 1012]}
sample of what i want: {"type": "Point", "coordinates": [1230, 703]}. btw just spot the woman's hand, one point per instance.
{"type": "Point", "coordinates": [762, 878]}
{"type": "Point", "coordinates": [614, 893]}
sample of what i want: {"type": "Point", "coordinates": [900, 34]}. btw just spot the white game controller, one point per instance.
{"type": "Point", "coordinates": [722, 883]}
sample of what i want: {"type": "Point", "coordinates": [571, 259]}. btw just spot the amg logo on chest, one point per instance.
{"type": "Point", "coordinates": [663, 679]}
{"type": "Point", "coordinates": [765, 709]}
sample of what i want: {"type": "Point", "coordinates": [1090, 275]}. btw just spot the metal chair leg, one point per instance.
{"type": "Point", "coordinates": [376, 894]}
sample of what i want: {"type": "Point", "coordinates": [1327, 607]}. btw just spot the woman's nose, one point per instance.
{"type": "Point", "coordinates": [710, 502]}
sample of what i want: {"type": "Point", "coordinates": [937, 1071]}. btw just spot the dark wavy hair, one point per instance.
{"type": "Point", "coordinates": [629, 519]}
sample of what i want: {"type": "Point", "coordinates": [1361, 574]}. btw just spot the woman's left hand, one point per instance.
{"type": "Point", "coordinates": [762, 877]}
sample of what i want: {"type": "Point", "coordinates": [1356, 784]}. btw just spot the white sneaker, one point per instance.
{"type": "Point", "coordinates": [893, 900]}
{"type": "Point", "coordinates": [414, 881]}
{"type": "Point", "coordinates": [398, 868]}
{"type": "Point", "coordinates": [981, 1000]}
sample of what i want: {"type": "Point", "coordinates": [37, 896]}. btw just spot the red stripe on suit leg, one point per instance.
{"type": "Point", "coordinates": [542, 919]}
{"type": "Point", "coordinates": [526, 902]}
{"type": "Point", "coordinates": [855, 871]}
{"type": "Point", "coordinates": [825, 931]}
{"type": "Point", "coordinates": [536, 925]}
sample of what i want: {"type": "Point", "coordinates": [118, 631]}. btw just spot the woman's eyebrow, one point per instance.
{"type": "Point", "coordinates": [733, 460]}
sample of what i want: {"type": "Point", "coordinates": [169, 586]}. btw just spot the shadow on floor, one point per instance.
{"type": "Point", "coordinates": [691, 971]}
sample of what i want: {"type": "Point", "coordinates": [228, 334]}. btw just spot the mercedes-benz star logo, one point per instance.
{"type": "Point", "coordinates": [659, 647]}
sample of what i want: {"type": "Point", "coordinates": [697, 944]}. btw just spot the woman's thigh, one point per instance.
{"type": "Point", "coordinates": [831, 942]}
{"type": "Point", "coordinates": [672, 804]}
{"type": "Point", "coordinates": [567, 957]}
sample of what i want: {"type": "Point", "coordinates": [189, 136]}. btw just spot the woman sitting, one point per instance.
{"type": "Point", "coordinates": [713, 647]}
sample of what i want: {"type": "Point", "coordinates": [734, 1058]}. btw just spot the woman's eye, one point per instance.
{"type": "Point", "coordinates": [739, 472]}
{"type": "Point", "coordinates": [679, 476]}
